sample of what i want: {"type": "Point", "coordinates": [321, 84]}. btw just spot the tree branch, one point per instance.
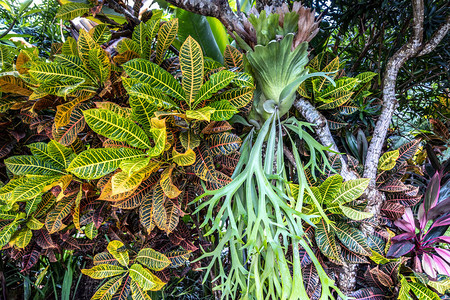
{"type": "Point", "coordinates": [121, 10]}
{"type": "Point", "coordinates": [436, 38]}
{"type": "Point", "coordinates": [313, 116]}
{"type": "Point", "coordinates": [410, 49]}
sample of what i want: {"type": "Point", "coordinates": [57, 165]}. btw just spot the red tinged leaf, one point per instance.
{"type": "Point", "coordinates": [441, 208]}
{"type": "Point", "coordinates": [403, 199]}
{"type": "Point", "coordinates": [217, 127]}
{"type": "Point", "coordinates": [393, 210]}
{"type": "Point", "coordinates": [368, 294]}
{"type": "Point", "coordinates": [30, 259]}
{"type": "Point", "coordinates": [393, 185]}
{"type": "Point", "coordinates": [406, 151]}
{"type": "Point", "coordinates": [432, 194]}
{"type": "Point", "coordinates": [311, 282]}
{"type": "Point", "coordinates": [401, 248]}
{"type": "Point", "coordinates": [124, 290]}
{"type": "Point", "coordinates": [43, 239]}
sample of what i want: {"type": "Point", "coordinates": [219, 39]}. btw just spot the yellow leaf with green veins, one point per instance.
{"type": "Point", "coordinates": [170, 190]}
{"type": "Point", "coordinates": [166, 36]}
{"type": "Point", "coordinates": [202, 114]}
{"type": "Point", "coordinates": [191, 64]}
{"type": "Point", "coordinates": [23, 238]}
{"type": "Point", "coordinates": [103, 271]}
{"type": "Point", "coordinates": [95, 163]}
{"type": "Point", "coordinates": [388, 160]}
{"type": "Point", "coordinates": [142, 277]}
{"type": "Point", "coordinates": [122, 182]}
{"type": "Point", "coordinates": [153, 259]}
{"type": "Point", "coordinates": [183, 159]}
{"type": "Point", "coordinates": [116, 128]}
{"type": "Point", "coordinates": [138, 293]}
{"type": "Point", "coordinates": [119, 251]}
{"type": "Point", "coordinates": [108, 289]}
{"type": "Point", "coordinates": [159, 134]}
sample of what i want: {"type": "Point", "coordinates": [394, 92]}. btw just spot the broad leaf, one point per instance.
{"type": "Point", "coordinates": [354, 214]}
{"type": "Point", "coordinates": [120, 253]}
{"type": "Point", "coordinates": [117, 128]}
{"type": "Point", "coordinates": [178, 258]}
{"type": "Point", "coordinates": [170, 190]}
{"type": "Point", "coordinates": [108, 289]}
{"type": "Point", "coordinates": [352, 238]}
{"type": "Point", "coordinates": [142, 276]}
{"type": "Point", "coordinates": [223, 110]}
{"type": "Point", "coordinates": [158, 78]}
{"type": "Point", "coordinates": [72, 10]}
{"type": "Point", "coordinates": [152, 259]}
{"type": "Point", "coordinates": [166, 36]}
{"type": "Point", "coordinates": [215, 83]}
{"type": "Point", "coordinates": [95, 163]}
{"type": "Point", "coordinates": [326, 241]}
{"type": "Point", "coordinates": [224, 143]}
{"type": "Point", "coordinates": [103, 271]}
{"type": "Point", "coordinates": [388, 160]}
{"type": "Point", "coordinates": [191, 63]}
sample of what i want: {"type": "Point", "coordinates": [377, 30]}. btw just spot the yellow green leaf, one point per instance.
{"type": "Point", "coordinates": [388, 160]}
{"type": "Point", "coordinates": [119, 251]}
{"type": "Point", "coordinates": [166, 36]}
{"type": "Point", "coordinates": [153, 259]}
{"type": "Point", "coordinates": [170, 190]}
{"type": "Point", "coordinates": [191, 64]}
{"type": "Point", "coordinates": [183, 159]}
{"type": "Point", "coordinates": [103, 271]}
{"type": "Point", "coordinates": [142, 277]}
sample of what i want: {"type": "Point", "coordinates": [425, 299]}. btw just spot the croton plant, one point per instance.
{"type": "Point", "coordinates": [136, 137]}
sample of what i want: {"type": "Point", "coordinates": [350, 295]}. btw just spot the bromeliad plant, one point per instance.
{"type": "Point", "coordinates": [131, 276]}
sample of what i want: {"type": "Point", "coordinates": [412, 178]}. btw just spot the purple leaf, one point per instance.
{"type": "Point", "coordinates": [422, 216]}
{"type": "Point", "coordinates": [444, 253]}
{"type": "Point", "coordinates": [403, 237]}
{"type": "Point", "coordinates": [440, 265]}
{"type": "Point", "coordinates": [427, 265]}
{"type": "Point", "coordinates": [400, 249]}
{"type": "Point", "coordinates": [442, 221]}
{"type": "Point", "coordinates": [432, 193]}
{"type": "Point", "coordinates": [407, 221]}
{"type": "Point", "coordinates": [441, 208]}
{"type": "Point", "coordinates": [368, 294]}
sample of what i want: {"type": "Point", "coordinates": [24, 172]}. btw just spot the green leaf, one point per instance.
{"type": "Point", "coordinates": [202, 114]}
{"type": "Point", "coordinates": [365, 77]}
{"type": "Point", "coordinates": [158, 78]}
{"type": "Point", "coordinates": [216, 82]}
{"type": "Point", "coordinates": [85, 45]}
{"type": "Point", "coordinates": [204, 164]}
{"type": "Point", "coordinates": [238, 97]}
{"type": "Point", "coordinates": [178, 258]}
{"type": "Point", "coordinates": [142, 277]}
{"type": "Point", "coordinates": [60, 153]}
{"type": "Point", "coordinates": [330, 187]}
{"type": "Point", "coordinates": [119, 251]}
{"type": "Point", "coordinates": [150, 95]}
{"type": "Point", "coordinates": [23, 238]}
{"type": "Point", "coordinates": [72, 10]}
{"type": "Point", "coordinates": [223, 110]}
{"type": "Point", "coordinates": [95, 163]}
{"type": "Point", "coordinates": [32, 204]}
{"type": "Point", "coordinates": [40, 151]}
{"type": "Point", "coordinates": [127, 45]}
{"type": "Point", "coordinates": [138, 293]}
{"type": "Point", "coordinates": [116, 128]}
{"type": "Point", "coordinates": [422, 292]}
{"type": "Point", "coordinates": [403, 294]}
{"type": "Point", "coordinates": [6, 233]}
{"type": "Point", "coordinates": [33, 186]}
{"type": "Point", "coordinates": [153, 259]}
{"type": "Point", "coordinates": [134, 165]}
{"type": "Point", "coordinates": [140, 37]}
{"type": "Point", "coordinates": [70, 47]}
{"type": "Point", "coordinates": [166, 36]}
{"type": "Point", "coordinates": [351, 190]}
{"type": "Point", "coordinates": [103, 271]}
{"type": "Point", "coordinates": [343, 85]}
{"type": "Point", "coordinates": [108, 289]}
{"type": "Point", "coordinates": [200, 29]}
{"type": "Point", "coordinates": [54, 219]}
{"type": "Point", "coordinates": [191, 64]}
{"type": "Point", "coordinates": [100, 34]}
{"type": "Point", "coordinates": [91, 230]}
{"type": "Point", "coordinates": [352, 238]}
{"type": "Point", "coordinates": [99, 62]}
{"type": "Point", "coordinates": [326, 241]}
{"type": "Point", "coordinates": [224, 143]}
{"type": "Point", "coordinates": [388, 160]}
{"type": "Point", "coordinates": [354, 214]}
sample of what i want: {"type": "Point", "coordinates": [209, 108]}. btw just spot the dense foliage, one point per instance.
{"type": "Point", "coordinates": [148, 154]}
